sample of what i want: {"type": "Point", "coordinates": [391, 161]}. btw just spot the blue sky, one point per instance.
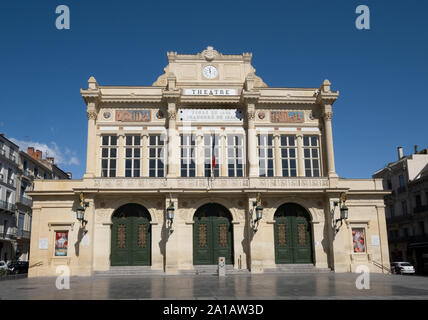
{"type": "Point", "coordinates": [381, 73]}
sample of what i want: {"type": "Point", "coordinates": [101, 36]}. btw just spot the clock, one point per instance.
{"type": "Point", "coordinates": [209, 72]}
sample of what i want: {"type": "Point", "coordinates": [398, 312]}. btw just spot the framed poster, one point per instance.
{"type": "Point", "coordinates": [61, 243]}
{"type": "Point", "coordinates": [358, 239]}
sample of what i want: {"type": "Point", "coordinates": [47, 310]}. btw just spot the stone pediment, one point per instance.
{"type": "Point", "coordinates": [188, 69]}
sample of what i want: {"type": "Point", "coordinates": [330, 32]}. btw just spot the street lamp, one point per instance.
{"type": "Point", "coordinates": [80, 210]}
{"type": "Point", "coordinates": [170, 214]}
{"type": "Point", "coordinates": [258, 209]}
{"type": "Point", "coordinates": [343, 211]}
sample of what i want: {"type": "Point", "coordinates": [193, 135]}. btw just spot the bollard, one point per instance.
{"type": "Point", "coordinates": [221, 266]}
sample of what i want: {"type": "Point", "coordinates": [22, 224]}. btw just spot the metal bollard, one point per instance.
{"type": "Point", "coordinates": [221, 266]}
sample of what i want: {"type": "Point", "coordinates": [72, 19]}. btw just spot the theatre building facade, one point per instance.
{"type": "Point", "coordinates": [208, 162]}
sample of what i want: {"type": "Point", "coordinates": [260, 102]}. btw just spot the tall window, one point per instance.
{"type": "Point", "coordinates": [211, 155]}
{"type": "Point", "coordinates": [404, 207]}
{"type": "Point", "coordinates": [311, 156]}
{"type": "Point", "coordinates": [187, 158]}
{"type": "Point", "coordinates": [108, 156]}
{"type": "Point", "coordinates": [156, 156]}
{"type": "Point", "coordinates": [132, 155]}
{"type": "Point", "coordinates": [288, 156]}
{"type": "Point", "coordinates": [235, 147]}
{"type": "Point", "coordinates": [265, 145]}
{"type": "Point", "coordinates": [401, 180]}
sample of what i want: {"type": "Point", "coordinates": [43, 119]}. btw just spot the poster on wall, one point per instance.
{"type": "Point", "coordinates": [358, 240]}
{"type": "Point", "coordinates": [61, 243]}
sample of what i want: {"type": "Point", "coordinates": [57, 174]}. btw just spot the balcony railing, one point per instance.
{"type": "Point", "coordinates": [26, 201]}
{"type": "Point", "coordinates": [396, 219]}
{"type": "Point", "coordinates": [9, 235]}
{"type": "Point", "coordinates": [7, 206]}
{"type": "Point", "coordinates": [24, 234]}
{"type": "Point", "coordinates": [420, 209]}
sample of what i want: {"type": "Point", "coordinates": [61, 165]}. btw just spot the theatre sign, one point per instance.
{"type": "Point", "coordinates": [211, 92]}
{"type": "Point", "coordinates": [236, 169]}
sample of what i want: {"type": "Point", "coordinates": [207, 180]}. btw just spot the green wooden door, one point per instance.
{"type": "Point", "coordinates": [292, 234]}
{"type": "Point", "coordinates": [131, 241]}
{"type": "Point", "coordinates": [212, 238]}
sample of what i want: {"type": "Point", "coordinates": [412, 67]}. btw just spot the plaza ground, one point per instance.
{"type": "Point", "coordinates": [232, 287]}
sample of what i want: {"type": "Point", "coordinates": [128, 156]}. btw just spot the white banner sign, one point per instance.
{"type": "Point", "coordinates": [213, 92]}
{"type": "Point", "coordinates": [210, 115]}
{"type": "Point", "coordinates": [43, 243]}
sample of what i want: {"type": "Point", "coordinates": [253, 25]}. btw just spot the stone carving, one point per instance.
{"type": "Point", "coordinates": [251, 115]}
{"type": "Point", "coordinates": [92, 115]}
{"type": "Point", "coordinates": [203, 183]}
{"type": "Point", "coordinates": [209, 53]}
{"type": "Point", "coordinates": [172, 115]}
{"type": "Point", "coordinates": [328, 115]}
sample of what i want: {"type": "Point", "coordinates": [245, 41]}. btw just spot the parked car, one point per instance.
{"type": "Point", "coordinates": [402, 268]}
{"type": "Point", "coordinates": [18, 267]}
{"type": "Point", "coordinates": [3, 265]}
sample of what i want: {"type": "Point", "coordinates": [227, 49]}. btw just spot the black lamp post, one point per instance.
{"type": "Point", "coordinates": [343, 211]}
{"type": "Point", "coordinates": [258, 209]}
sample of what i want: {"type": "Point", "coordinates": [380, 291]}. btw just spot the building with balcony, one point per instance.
{"type": "Point", "coordinates": [407, 207]}
{"type": "Point", "coordinates": [32, 166]}
{"type": "Point", "coordinates": [9, 162]}
{"type": "Point", "coordinates": [208, 162]}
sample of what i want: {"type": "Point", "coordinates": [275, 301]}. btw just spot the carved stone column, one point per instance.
{"type": "Point", "coordinates": [223, 155]}
{"type": "Point", "coordinates": [200, 157]}
{"type": "Point", "coordinates": [91, 141]}
{"type": "Point", "coordinates": [277, 154]}
{"type": "Point", "coordinates": [252, 141]}
{"type": "Point", "coordinates": [145, 154]}
{"type": "Point", "coordinates": [173, 141]}
{"type": "Point", "coordinates": [120, 155]}
{"type": "Point", "coordinates": [300, 156]}
{"type": "Point", "coordinates": [327, 116]}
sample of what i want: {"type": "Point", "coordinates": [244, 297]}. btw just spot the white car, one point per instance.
{"type": "Point", "coordinates": [402, 268]}
{"type": "Point", "coordinates": [3, 265]}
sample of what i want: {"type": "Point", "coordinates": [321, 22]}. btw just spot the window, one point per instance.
{"type": "Point", "coordinates": [235, 147]}
{"type": "Point", "coordinates": [358, 239]}
{"type": "Point", "coordinates": [36, 171]}
{"type": "Point", "coordinates": [21, 220]}
{"type": "Point", "coordinates": [108, 156]}
{"type": "Point", "coordinates": [392, 210]}
{"type": "Point", "coordinates": [389, 184]}
{"type": "Point", "coordinates": [265, 145]}
{"type": "Point", "coordinates": [288, 156]}
{"type": "Point", "coordinates": [404, 207]}
{"type": "Point", "coordinates": [401, 180]}
{"type": "Point", "coordinates": [311, 156]}
{"type": "Point", "coordinates": [418, 201]}
{"type": "Point", "coordinates": [156, 156]}
{"type": "Point", "coordinates": [61, 243]}
{"type": "Point", "coordinates": [211, 155]}
{"type": "Point", "coordinates": [422, 227]}
{"type": "Point", "coordinates": [132, 156]}
{"type": "Point", "coordinates": [187, 158]}
{"type": "Point", "coordinates": [25, 164]}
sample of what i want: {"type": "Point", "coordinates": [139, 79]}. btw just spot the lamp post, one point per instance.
{"type": "Point", "coordinates": [258, 209]}
{"type": "Point", "coordinates": [80, 210]}
{"type": "Point", "coordinates": [343, 212]}
{"type": "Point", "coordinates": [170, 215]}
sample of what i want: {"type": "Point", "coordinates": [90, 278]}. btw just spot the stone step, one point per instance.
{"type": "Point", "coordinates": [296, 268]}
{"type": "Point", "coordinates": [129, 271]}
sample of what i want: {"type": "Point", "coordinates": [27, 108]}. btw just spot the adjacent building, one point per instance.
{"type": "Point", "coordinates": [407, 207]}
{"type": "Point", "coordinates": [9, 163]}
{"type": "Point", "coordinates": [18, 170]}
{"type": "Point", "coordinates": [208, 162]}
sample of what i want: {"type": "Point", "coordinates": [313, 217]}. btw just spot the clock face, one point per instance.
{"type": "Point", "coordinates": [210, 72]}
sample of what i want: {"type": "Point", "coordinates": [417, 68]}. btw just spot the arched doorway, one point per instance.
{"type": "Point", "coordinates": [212, 235]}
{"type": "Point", "coordinates": [131, 236]}
{"type": "Point", "coordinates": [293, 235]}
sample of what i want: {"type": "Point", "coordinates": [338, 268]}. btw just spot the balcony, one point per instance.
{"type": "Point", "coordinates": [397, 219]}
{"type": "Point", "coordinates": [28, 173]}
{"type": "Point", "coordinates": [9, 235]}
{"type": "Point", "coordinates": [26, 201]}
{"type": "Point", "coordinates": [420, 209]}
{"type": "Point", "coordinates": [23, 234]}
{"type": "Point", "coordinates": [7, 206]}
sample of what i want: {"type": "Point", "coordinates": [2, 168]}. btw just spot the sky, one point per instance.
{"type": "Point", "coordinates": [381, 73]}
